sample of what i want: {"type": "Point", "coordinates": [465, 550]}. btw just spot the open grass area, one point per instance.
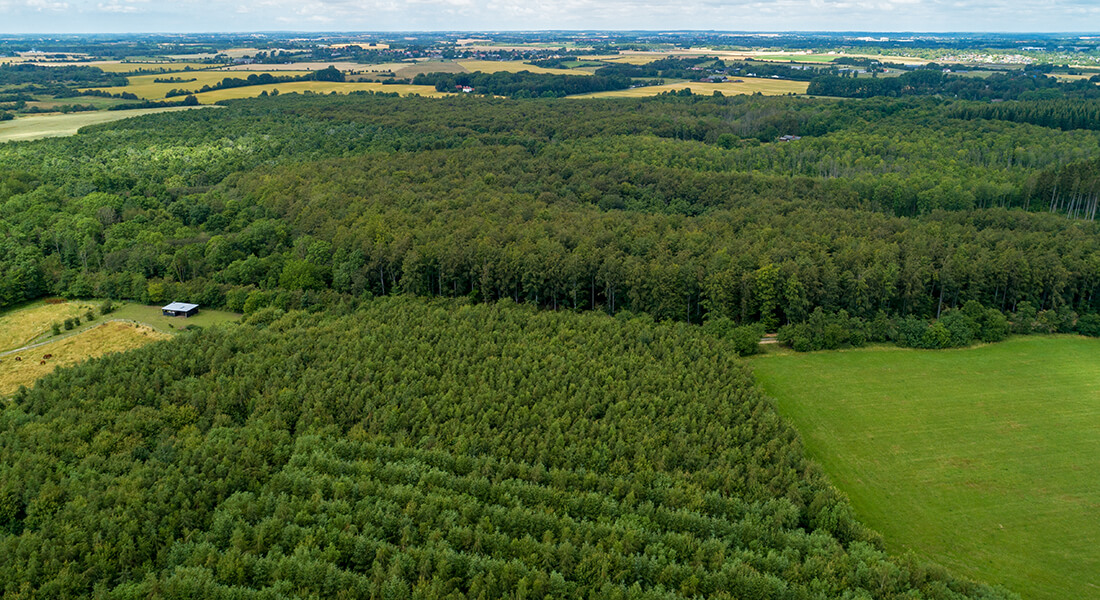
{"type": "Point", "coordinates": [58, 125]}
{"type": "Point", "coordinates": [984, 460]}
{"type": "Point", "coordinates": [151, 316]}
{"type": "Point", "coordinates": [748, 85]}
{"type": "Point", "coordinates": [106, 337]}
{"type": "Point", "coordinates": [512, 66]}
{"type": "Point", "coordinates": [29, 322]}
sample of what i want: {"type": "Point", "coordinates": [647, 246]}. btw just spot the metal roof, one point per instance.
{"type": "Point", "coordinates": [180, 307]}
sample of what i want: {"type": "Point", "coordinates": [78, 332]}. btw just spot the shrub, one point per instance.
{"type": "Point", "coordinates": [68, 324]}
{"type": "Point", "coordinates": [1089, 325]}
{"type": "Point", "coordinates": [107, 307]}
{"type": "Point", "coordinates": [56, 328]}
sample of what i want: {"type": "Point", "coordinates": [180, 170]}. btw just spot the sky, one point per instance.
{"type": "Point", "coordinates": [122, 16]}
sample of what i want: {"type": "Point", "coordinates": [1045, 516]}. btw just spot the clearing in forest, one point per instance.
{"type": "Point", "coordinates": [111, 336]}
{"type": "Point", "coordinates": [982, 459]}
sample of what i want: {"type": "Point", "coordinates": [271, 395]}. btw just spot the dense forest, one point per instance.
{"type": "Point", "coordinates": [683, 208]}
{"type": "Point", "coordinates": [414, 450]}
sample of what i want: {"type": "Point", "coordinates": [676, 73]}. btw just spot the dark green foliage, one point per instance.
{"type": "Point", "coordinates": [523, 84]}
{"type": "Point", "coordinates": [436, 450]}
{"type": "Point", "coordinates": [106, 307]}
{"type": "Point", "coordinates": [55, 328]}
{"type": "Point", "coordinates": [1089, 325]}
{"type": "Point", "coordinates": [69, 324]}
{"type": "Point", "coordinates": [825, 331]}
{"type": "Point", "coordinates": [745, 339]}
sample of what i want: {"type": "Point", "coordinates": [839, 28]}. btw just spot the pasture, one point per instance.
{"type": "Point", "coordinates": [32, 321]}
{"type": "Point", "coordinates": [748, 85]}
{"type": "Point", "coordinates": [983, 459]}
{"type": "Point", "coordinates": [104, 338]}
{"type": "Point", "coordinates": [36, 127]}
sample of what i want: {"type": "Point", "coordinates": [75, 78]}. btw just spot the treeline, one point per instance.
{"type": "Point", "coordinates": [699, 67]}
{"type": "Point", "coordinates": [523, 84]}
{"type": "Point", "coordinates": [1058, 114]}
{"type": "Point", "coordinates": [22, 74]}
{"type": "Point", "coordinates": [190, 100]}
{"type": "Point", "coordinates": [414, 450]}
{"type": "Point", "coordinates": [1023, 85]}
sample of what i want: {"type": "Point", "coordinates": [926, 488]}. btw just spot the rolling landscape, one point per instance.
{"type": "Point", "coordinates": [570, 313]}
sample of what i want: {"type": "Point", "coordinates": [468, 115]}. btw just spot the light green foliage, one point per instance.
{"type": "Point", "coordinates": [441, 450]}
{"type": "Point", "coordinates": [973, 458]}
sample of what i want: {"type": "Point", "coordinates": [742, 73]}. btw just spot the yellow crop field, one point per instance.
{"type": "Point", "coordinates": [20, 327]}
{"type": "Point", "coordinates": [112, 336]}
{"type": "Point", "coordinates": [37, 127]}
{"type": "Point", "coordinates": [748, 85]}
{"type": "Point", "coordinates": [145, 86]}
{"type": "Point", "coordinates": [512, 66]}
{"type": "Point", "coordinates": [317, 87]}
{"type": "Point", "coordinates": [634, 59]}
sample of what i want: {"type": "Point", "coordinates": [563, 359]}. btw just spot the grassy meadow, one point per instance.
{"type": "Point", "coordinates": [35, 127]}
{"type": "Point", "coordinates": [748, 85]}
{"type": "Point", "coordinates": [30, 322]}
{"type": "Point", "coordinates": [982, 459]}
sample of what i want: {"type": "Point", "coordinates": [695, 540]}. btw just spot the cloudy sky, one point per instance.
{"type": "Point", "coordinates": [80, 16]}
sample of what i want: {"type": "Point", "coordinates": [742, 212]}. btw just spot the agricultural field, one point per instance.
{"type": "Point", "coordinates": [30, 322]}
{"type": "Point", "coordinates": [166, 67]}
{"type": "Point", "coordinates": [37, 127]}
{"type": "Point", "coordinates": [145, 86]}
{"type": "Point", "coordinates": [981, 459]}
{"type": "Point", "coordinates": [748, 85]}
{"type": "Point", "coordinates": [103, 338]}
{"type": "Point", "coordinates": [317, 87]}
{"type": "Point", "coordinates": [512, 66]}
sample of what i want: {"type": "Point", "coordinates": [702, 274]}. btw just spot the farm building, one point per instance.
{"type": "Point", "coordinates": [180, 309]}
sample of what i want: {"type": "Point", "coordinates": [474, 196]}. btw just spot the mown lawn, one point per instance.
{"type": "Point", "coordinates": [986, 460]}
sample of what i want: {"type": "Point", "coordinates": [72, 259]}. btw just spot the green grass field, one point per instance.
{"type": "Point", "coordinates": [984, 460]}
{"type": "Point", "coordinates": [36, 127]}
{"type": "Point", "coordinates": [151, 316]}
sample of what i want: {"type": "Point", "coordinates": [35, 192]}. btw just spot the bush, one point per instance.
{"type": "Point", "coordinates": [56, 328]}
{"type": "Point", "coordinates": [89, 316]}
{"type": "Point", "coordinates": [825, 331]}
{"type": "Point", "coordinates": [68, 324]}
{"type": "Point", "coordinates": [107, 307]}
{"type": "Point", "coordinates": [1089, 325]}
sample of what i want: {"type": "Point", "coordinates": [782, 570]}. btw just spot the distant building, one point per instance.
{"type": "Point", "coordinates": [180, 309]}
{"type": "Point", "coordinates": [790, 138]}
